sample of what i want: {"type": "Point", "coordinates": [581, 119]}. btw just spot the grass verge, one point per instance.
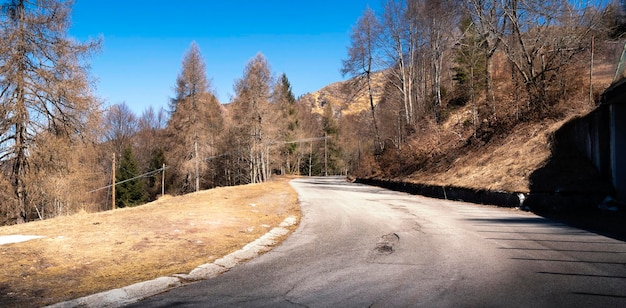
{"type": "Point", "coordinates": [89, 253]}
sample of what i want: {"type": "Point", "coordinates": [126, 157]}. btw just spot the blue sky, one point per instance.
{"type": "Point", "coordinates": [144, 43]}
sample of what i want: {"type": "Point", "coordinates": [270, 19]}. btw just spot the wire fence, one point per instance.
{"type": "Point", "coordinates": [153, 172]}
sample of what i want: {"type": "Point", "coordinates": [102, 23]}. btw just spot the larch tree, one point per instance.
{"type": "Point", "coordinates": [195, 120]}
{"type": "Point", "coordinates": [254, 116]}
{"type": "Point", "coordinates": [44, 85]}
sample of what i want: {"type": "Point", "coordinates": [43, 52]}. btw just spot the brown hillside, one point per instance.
{"type": "Point", "coordinates": [343, 97]}
{"type": "Point", "coordinates": [507, 159]}
{"type": "Point", "coordinates": [502, 158]}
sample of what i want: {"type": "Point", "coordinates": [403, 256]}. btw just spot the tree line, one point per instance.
{"type": "Point", "coordinates": [506, 61]}
{"type": "Point", "coordinates": [203, 143]}
{"type": "Point", "coordinates": [412, 63]}
{"type": "Point", "coordinates": [59, 142]}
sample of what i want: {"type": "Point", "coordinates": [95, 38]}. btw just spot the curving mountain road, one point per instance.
{"type": "Point", "coordinates": [362, 246]}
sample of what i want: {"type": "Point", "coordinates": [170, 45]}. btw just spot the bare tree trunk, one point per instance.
{"type": "Point", "coordinates": [298, 165]}
{"type": "Point", "coordinates": [381, 146]}
{"type": "Point", "coordinates": [197, 163]}
{"type": "Point", "coordinates": [263, 166]}
{"type": "Point", "coordinates": [19, 171]}
{"type": "Point", "coordinates": [436, 60]}
{"type": "Point", "coordinates": [489, 83]}
{"type": "Point", "coordinates": [20, 160]}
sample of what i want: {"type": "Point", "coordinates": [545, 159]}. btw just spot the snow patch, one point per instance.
{"type": "Point", "coordinates": [10, 239]}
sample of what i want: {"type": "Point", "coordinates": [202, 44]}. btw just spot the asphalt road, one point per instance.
{"type": "Point", "coordinates": [362, 246]}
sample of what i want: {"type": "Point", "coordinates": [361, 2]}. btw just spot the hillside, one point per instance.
{"type": "Point", "coordinates": [507, 158]}
{"type": "Point", "coordinates": [504, 157]}
{"type": "Point", "coordinates": [343, 97]}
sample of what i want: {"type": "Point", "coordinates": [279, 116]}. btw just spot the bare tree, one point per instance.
{"type": "Point", "coordinates": [153, 120]}
{"type": "Point", "coordinates": [542, 38]}
{"type": "Point", "coordinates": [398, 43]}
{"type": "Point", "coordinates": [120, 127]}
{"type": "Point", "coordinates": [61, 173]}
{"type": "Point", "coordinates": [361, 62]}
{"type": "Point", "coordinates": [441, 17]}
{"type": "Point", "coordinates": [488, 19]}
{"type": "Point", "coordinates": [44, 84]}
{"type": "Point", "coordinates": [149, 141]}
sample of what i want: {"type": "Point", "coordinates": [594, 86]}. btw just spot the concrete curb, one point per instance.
{"type": "Point", "coordinates": [136, 292]}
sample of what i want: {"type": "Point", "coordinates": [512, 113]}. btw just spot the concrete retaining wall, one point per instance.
{"type": "Point", "coordinates": [499, 198]}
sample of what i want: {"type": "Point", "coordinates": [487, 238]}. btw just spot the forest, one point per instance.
{"type": "Point", "coordinates": [490, 64]}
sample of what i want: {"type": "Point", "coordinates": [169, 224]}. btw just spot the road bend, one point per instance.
{"type": "Point", "coordinates": [363, 246]}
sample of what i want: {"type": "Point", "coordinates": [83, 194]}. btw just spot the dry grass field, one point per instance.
{"type": "Point", "coordinates": [89, 253]}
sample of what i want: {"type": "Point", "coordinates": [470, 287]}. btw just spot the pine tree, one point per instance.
{"type": "Point", "coordinates": [157, 160]}
{"type": "Point", "coordinates": [470, 59]}
{"type": "Point", "coordinates": [332, 151]}
{"type": "Point", "coordinates": [130, 191]}
{"type": "Point", "coordinates": [288, 124]}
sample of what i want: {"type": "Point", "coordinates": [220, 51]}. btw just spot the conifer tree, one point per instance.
{"type": "Point", "coordinates": [254, 118]}
{"type": "Point", "coordinates": [470, 70]}
{"type": "Point", "coordinates": [332, 151]}
{"type": "Point", "coordinates": [194, 126]}
{"type": "Point", "coordinates": [289, 123]}
{"type": "Point", "coordinates": [157, 160]}
{"type": "Point", "coordinates": [130, 191]}
{"type": "Point", "coordinates": [44, 85]}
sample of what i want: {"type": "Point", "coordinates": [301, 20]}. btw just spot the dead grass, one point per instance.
{"type": "Point", "coordinates": [508, 147]}
{"type": "Point", "coordinates": [89, 253]}
{"type": "Point", "coordinates": [501, 165]}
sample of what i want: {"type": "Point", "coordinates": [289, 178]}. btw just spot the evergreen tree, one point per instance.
{"type": "Point", "coordinates": [470, 69]}
{"type": "Point", "coordinates": [470, 60]}
{"type": "Point", "coordinates": [129, 192]}
{"type": "Point", "coordinates": [332, 152]}
{"type": "Point", "coordinates": [288, 125]}
{"type": "Point", "coordinates": [157, 160]}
